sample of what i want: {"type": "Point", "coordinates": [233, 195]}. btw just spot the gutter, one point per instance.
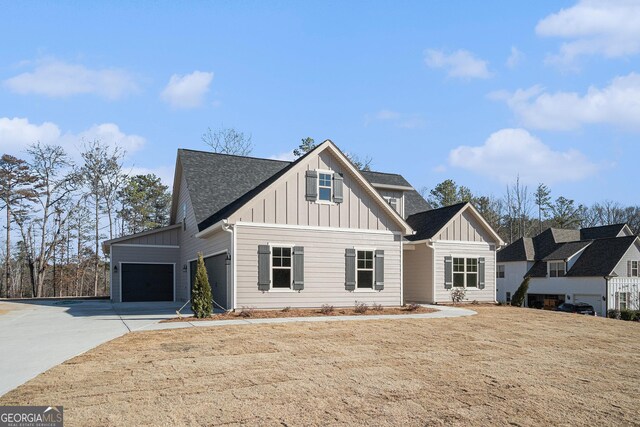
{"type": "Point", "coordinates": [209, 230]}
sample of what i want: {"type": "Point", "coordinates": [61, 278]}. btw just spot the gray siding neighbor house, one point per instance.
{"type": "Point", "coordinates": [273, 234]}
{"type": "Point", "coordinates": [597, 265]}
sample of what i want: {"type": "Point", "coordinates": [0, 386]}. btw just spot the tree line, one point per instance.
{"type": "Point", "coordinates": [521, 212]}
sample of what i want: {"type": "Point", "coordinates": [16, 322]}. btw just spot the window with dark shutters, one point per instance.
{"type": "Point", "coordinates": [350, 269]}
{"type": "Point", "coordinates": [311, 185]}
{"type": "Point", "coordinates": [338, 190]}
{"type": "Point", "coordinates": [264, 267]}
{"type": "Point", "coordinates": [379, 285]}
{"type": "Point", "coordinates": [298, 268]}
{"type": "Point", "coordinates": [448, 272]}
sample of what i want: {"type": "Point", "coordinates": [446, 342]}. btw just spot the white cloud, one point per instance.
{"type": "Point", "coordinates": [18, 133]}
{"type": "Point", "coordinates": [606, 27]}
{"type": "Point", "coordinates": [58, 79]}
{"type": "Point", "coordinates": [617, 104]}
{"type": "Point", "coordinates": [406, 121]}
{"type": "Point", "coordinates": [187, 91]}
{"type": "Point", "coordinates": [511, 152]}
{"type": "Point", "coordinates": [460, 63]}
{"type": "Point", "coordinates": [514, 58]}
{"type": "Point", "coordinates": [287, 156]}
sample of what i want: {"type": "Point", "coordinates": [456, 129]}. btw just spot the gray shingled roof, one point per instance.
{"type": "Point", "coordinates": [601, 257]}
{"type": "Point", "coordinates": [428, 223]}
{"type": "Point", "coordinates": [601, 232]}
{"type": "Point", "coordinates": [565, 250]}
{"type": "Point", "coordinates": [219, 184]}
{"type": "Point", "coordinates": [539, 269]}
{"type": "Point", "coordinates": [520, 250]}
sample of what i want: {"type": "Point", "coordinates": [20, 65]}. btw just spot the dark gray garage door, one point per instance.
{"type": "Point", "coordinates": [217, 272]}
{"type": "Point", "coordinates": [147, 282]}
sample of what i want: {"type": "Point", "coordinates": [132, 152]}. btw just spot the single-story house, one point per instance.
{"type": "Point", "coordinates": [453, 248]}
{"type": "Point", "coordinates": [596, 265]}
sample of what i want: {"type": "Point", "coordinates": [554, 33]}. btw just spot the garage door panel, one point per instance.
{"type": "Point", "coordinates": [147, 282]}
{"type": "Point", "coordinates": [594, 300]}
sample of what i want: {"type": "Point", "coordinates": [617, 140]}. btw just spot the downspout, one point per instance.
{"type": "Point", "coordinates": [230, 228]}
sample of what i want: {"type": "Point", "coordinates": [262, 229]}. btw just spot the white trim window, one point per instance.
{"type": "Point", "coordinates": [500, 271]}
{"type": "Point", "coordinates": [557, 268]}
{"type": "Point", "coordinates": [325, 186]}
{"type": "Point", "coordinates": [633, 269]}
{"type": "Point", "coordinates": [281, 267]}
{"type": "Point", "coordinates": [394, 202]}
{"type": "Point", "coordinates": [465, 272]}
{"type": "Point", "coordinates": [364, 269]}
{"type": "Point", "coordinates": [622, 300]}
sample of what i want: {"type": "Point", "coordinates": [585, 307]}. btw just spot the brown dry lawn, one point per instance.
{"type": "Point", "coordinates": [504, 366]}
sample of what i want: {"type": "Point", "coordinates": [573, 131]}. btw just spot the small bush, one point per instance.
{"type": "Point", "coordinates": [457, 295]}
{"type": "Point", "coordinates": [521, 293]}
{"type": "Point", "coordinates": [613, 313]}
{"type": "Point", "coordinates": [627, 315]}
{"type": "Point", "coordinates": [247, 312]}
{"type": "Point", "coordinates": [326, 309]}
{"type": "Point", "coordinates": [412, 307]}
{"type": "Point", "coordinates": [376, 307]}
{"type": "Point", "coordinates": [361, 307]}
{"type": "Point", "coordinates": [286, 309]}
{"type": "Point", "coordinates": [201, 301]}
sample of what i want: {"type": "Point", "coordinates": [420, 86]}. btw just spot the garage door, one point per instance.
{"type": "Point", "coordinates": [147, 282]}
{"type": "Point", "coordinates": [593, 300]}
{"type": "Point", "coordinates": [217, 272]}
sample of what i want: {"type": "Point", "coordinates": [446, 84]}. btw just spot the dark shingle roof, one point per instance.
{"type": "Point", "coordinates": [601, 232]}
{"type": "Point", "coordinates": [217, 180]}
{"type": "Point", "coordinates": [566, 250]}
{"type": "Point", "coordinates": [601, 257]}
{"type": "Point", "coordinates": [219, 184]}
{"type": "Point", "coordinates": [428, 223]}
{"type": "Point", "coordinates": [539, 269]}
{"type": "Point", "coordinates": [520, 250]}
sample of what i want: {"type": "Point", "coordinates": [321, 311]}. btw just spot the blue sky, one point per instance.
{"type": "Point", "coordinates": [474, 91]}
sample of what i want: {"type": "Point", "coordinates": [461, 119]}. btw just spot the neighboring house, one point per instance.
{"type": "Point", "coordinates": [597, 265]}
{"type": "Point", "coordinates": [453, 247]}
{"type": "Point", "coordinates": [274, 234]}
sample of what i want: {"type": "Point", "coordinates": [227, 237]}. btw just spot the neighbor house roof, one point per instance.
{"type": "Point", "coordinates": [601, 232]}
{"type": "Point", "coordinates": [219, 184]}
{"type": "Point", "coordinates": [520, 250]}
{"type": "Point", "coordinates": [601, 256]}
{"type": "Point", "coordinates": [428, 223]}
{"type": "Point", "coordinates": [565, 251]}
{"type": "Point", "coordinates": [413, 201]}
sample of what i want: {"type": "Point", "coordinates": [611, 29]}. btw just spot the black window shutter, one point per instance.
{"type": "Point", "coordinates": [264, 267]}
{"type": "Point", "coordinates": [338, 188]}
{"type": "Point", "coordinates": [481, 279]}
{"type": "Point", "coordinates": [350, 269]}
{"type": "Point", "coordinates": [448, 272]}
{"type": "Point", "coordinates": [298, 268]}
{"type": "Point", "coordinates": [311, 185]}
{"type": "Point", "coordinates": [379, 268]}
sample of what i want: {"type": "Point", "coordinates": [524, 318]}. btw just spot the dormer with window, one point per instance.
{"type": "Point", "coordinates": [557, 268]}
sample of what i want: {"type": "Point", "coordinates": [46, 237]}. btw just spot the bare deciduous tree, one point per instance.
{"type": "Point", "coordinates": [228, 141]}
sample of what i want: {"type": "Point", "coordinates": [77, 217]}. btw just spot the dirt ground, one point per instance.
{"type": "Point", "coordinates": [504, 366]}
{"type": "Point", "coordinates": [302, 312]}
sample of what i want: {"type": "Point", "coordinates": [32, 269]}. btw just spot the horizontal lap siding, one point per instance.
{"type": "Point", "coordinates": [190, 246]}
{"type": "Point", "coordinates": [139, 255]}
{"type": "Point", "coordinates": [418, 274]}
{"type": "Point", "coordinates": [324, 267]}
{"type": "Point", "coordinates": [466, 250]}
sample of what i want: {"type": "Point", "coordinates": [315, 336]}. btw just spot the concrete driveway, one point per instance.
{"type": "Point", "coordinates": [38, 335]}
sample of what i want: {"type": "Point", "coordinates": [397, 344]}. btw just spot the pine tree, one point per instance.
{"type": "Point", "coordinates": [201, 302]}
{"type": "Point", "coordinates": [521, 293]}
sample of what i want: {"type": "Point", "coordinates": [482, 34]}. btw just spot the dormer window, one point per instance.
{"type": "Point", "coordinates": [325, 187]}
{"type": "Point", "coordinates": [394, 202]}
{"type": "Point", "coordinates": [557, 268]}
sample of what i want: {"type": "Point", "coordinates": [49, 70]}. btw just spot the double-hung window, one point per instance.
{"type": "Point", "coordinates": [623, 300]}
{"type": "Point", "coordinates": [500, 271]}
{"type": "Point", "coordinates": [394, 202]}
{"type": "Point", "coordinates": [281, 267]}
{"type": "Point", "coordinates": [364, 269]}
{"type": "Point", "coordinates": [325, 186]}
{"type": "Point", "coordinates": [465, 272]}
{"type": "Point", "coordinates": [633, 268]}
{"type": "Point", "coordinates": [556, 268]}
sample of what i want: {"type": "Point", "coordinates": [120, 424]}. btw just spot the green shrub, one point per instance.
{"type": "Point", "coordinates": [627, 314]}
{"type": "Point", "coordinates": [518, 297]}
{"type": "Point", "coordinates": [613, 313]}
{"type": "Point", "coordinates": [201, 301]}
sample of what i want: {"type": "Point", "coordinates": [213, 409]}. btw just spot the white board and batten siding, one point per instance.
{"type": "Point", "coordinates": [462, 249]}
{"type": "Point", "coordinates": [190, 245]}
{"type": "Point", "coordinates": [324, 267]}
{"type": "Point", "coordinates": [285, 203]}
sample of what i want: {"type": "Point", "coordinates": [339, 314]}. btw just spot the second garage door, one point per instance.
{"type": "Point", "coordinates": [594, 300]}
{"type": "Point", "coordinates": [147, 282]}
